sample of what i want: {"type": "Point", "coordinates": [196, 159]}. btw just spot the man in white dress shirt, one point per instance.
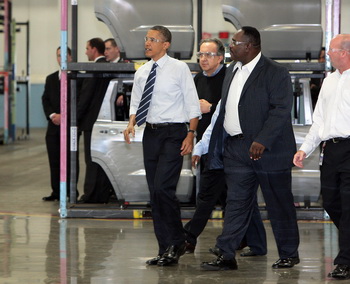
{"type": "Point", "coordinates": [331, 124]}
{"type": "Point", "coordinates": [166, 139]}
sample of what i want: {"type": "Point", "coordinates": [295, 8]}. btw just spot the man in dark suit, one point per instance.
{"type": "Point", "coordinates": [51, 101]}
{"type": "Point", "coordinates": [254, 131]}
{"type": "Point", "coordinates": [97, 187]}
{"type": "Point", "coordinates": [212, 186]}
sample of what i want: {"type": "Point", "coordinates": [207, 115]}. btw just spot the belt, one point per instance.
{"type": "Point", "coordinates": [161, 125]}
{"type": "Point", "coordinates": [338, 139]}
{"type": "Point", "coordinates": [238, 136]}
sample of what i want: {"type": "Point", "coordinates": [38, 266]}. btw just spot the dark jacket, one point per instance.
{"type": "Point", "coordinates": [264, 113]}
{"type": "Point", "coordinates": [90, 100]}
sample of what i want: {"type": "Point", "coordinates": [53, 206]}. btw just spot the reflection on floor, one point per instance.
{"type": "Point", "coordinates": [38, 249]}
{"type": "Point", "coordinates": [36, 246]}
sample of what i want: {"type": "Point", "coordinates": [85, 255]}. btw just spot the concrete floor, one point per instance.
{"type": "Point", "coordinates": [36, 246]}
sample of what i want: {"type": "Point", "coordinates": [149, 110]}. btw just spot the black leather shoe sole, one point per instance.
{"type": "Point", "coordinates": [164, 261]}
{"type": "Point", "coordinates": [342, 271]}
{"type": "Point", "coordinates": [220, 264]}
{"type": "Point", "coordinates": [172, 255]}
{"type": "Point", "coordinates": [248, 253]}
{"type": "Point", "coordinates": [50, 198]}
{"type": "Point", "coordinates": [286, 263]}
{"type": "Point", "coordinates": [153, 261]}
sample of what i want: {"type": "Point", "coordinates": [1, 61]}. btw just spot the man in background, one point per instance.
{"type": "Point", "coordinates": [112, 54]}
{"type": "Point", "coordinates": [51, 100]}
{"type": "Point", "coordinates": [97, 187]}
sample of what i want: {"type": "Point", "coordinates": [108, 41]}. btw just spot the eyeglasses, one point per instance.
{"type": "Point", "coordinates": [152, 39]}
{"type": "Point", "coordinates": [338, 49]}
{"type": "Point", "coordinates": [335, 49]}
{"type": "Point", "coordinates": [207, 54]}
{"type": "Point", "coordinates": [235, 42]}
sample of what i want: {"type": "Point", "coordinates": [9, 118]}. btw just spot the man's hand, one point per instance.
{"type": "Point", "coordinates": [56, 119]}
{"type": "Point", "coordinates": [256, 150]}
{"type": "Point", "coordinates": [205, 106]}
{"type": "Point", "coordinates": [187, 144]}
{"type": "Point", "coordinates": [127, 131]}
{"type": "Point", "coordinates": [120, 101]}
{"type": "Point", "coordinates": [299, 158]}
{"type": "Point", "coordinates": [195, 160]}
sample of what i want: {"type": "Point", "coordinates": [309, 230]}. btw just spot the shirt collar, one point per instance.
{"type": "Point", "coordinates": [346, 72]}
{"type": "Point", "coordinates": [97, 58]}
{"type": "Point", "coordinates": [249, 66]}
{"type": "Point", "coordinates": [116, 60]}
{"type": "Point", "coordinates": [161, 61]}
{"type": "Point", "coordinates": [215, 72]}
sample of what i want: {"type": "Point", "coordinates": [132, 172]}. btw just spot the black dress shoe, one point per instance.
{"type": "Point", "coordinates": [190, 247]}
{"type": "Point", "coordinates": [81, 201]}
{"type": "Point", "coordinates": [286, 263]}
{"type": "Point", "coordinates": [153, 261]}
{"type": "Point", "coordinates": [220, 264]}
{"type": "Point", "coordinates": [172, 255]}
{"type": "Point", "coordinates": [50, 198]}
{"type": "Point", "coordinates": [342, 271]}
{"type": "Point", "coordinates": [248, 253]}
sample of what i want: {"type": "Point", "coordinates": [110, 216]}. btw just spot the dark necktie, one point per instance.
{"type": "Point", "coordinates": [142, 111]}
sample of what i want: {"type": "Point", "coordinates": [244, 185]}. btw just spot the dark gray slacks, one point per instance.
{"type": "Point", "coordinates": [163, 164]}
{"type": "Point", "coordinates": [335, 190]}
{"type": "Point", "coordinates": [243, 176]}
{"type": "Point", "coordinates": [212, 187]}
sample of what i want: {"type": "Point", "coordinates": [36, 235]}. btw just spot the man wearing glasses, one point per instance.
{"type": "Point", "coordinates": [253, 138]}
{"type": "Point", "coordinates": [212, 185]}
{"type": "Point", "coordinates": [165, 98]}
{"type": "Point", "coordinates": [331, 124]}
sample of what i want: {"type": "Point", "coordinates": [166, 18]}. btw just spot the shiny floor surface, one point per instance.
{"type": "Point", "coordinates": [36, 246]}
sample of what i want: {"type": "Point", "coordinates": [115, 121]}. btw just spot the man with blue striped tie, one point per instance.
{"type": "Point", "coordinates": [165, 98]}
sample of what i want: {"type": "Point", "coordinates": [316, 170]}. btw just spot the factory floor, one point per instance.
{"type": "Point", "coordinates": [37, 246]}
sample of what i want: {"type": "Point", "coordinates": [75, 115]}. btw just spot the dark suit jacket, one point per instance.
{"type": "Point", "coordinates": [51, 100]}
{"type": "Point", "coordinates": [264, 113]}
{"type": "Point", "coordinates": [90, 100]}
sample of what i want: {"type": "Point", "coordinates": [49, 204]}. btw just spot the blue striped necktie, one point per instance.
{"type": "Point", "coordinates": [142, 111]}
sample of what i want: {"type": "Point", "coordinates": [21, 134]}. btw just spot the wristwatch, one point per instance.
{"type": "Point", "coordinates": [193, 131]}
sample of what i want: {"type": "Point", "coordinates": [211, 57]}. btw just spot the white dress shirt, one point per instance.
{"type": "Point", "coordinates": [331, 117]}
{"type": "Point", "coordinates": [116, 60]}
{"type": "Point", "coordinates": [97, 58]}
{"type": "Point", "coordinates": [202, 146]}
{"type": "Point", "coordinates": [231, 121]}
{"type": "Point", "coordinates": [174, 98]}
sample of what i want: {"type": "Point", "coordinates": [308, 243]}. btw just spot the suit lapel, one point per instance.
{"type": "Point", "coordinates": [226, 85]}
{"type": "Point", "coordinates": [256, 71]}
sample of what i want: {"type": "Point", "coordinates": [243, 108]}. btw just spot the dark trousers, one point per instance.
{"type": "Point", "coordinates": [243, 176]}
{"type": "Point", "coordinates": [212, 187]}
{"type": "Point", "coordinates": [52, 139]}
{"type": "Point", "coordinates": [163, 164]}
{"type": "Point", "coordinates": [97, 187]}
{"type": "Point", "coordinates": [53, 142]}
{"type": "Point", "coordinates": [335, 189]}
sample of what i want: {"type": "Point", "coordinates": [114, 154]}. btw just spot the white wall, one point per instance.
{"type": "Point", "coordinates": [44, 18]}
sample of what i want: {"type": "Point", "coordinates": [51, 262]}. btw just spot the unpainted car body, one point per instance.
{"type": "Point", "coordinates": [123, 163]}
